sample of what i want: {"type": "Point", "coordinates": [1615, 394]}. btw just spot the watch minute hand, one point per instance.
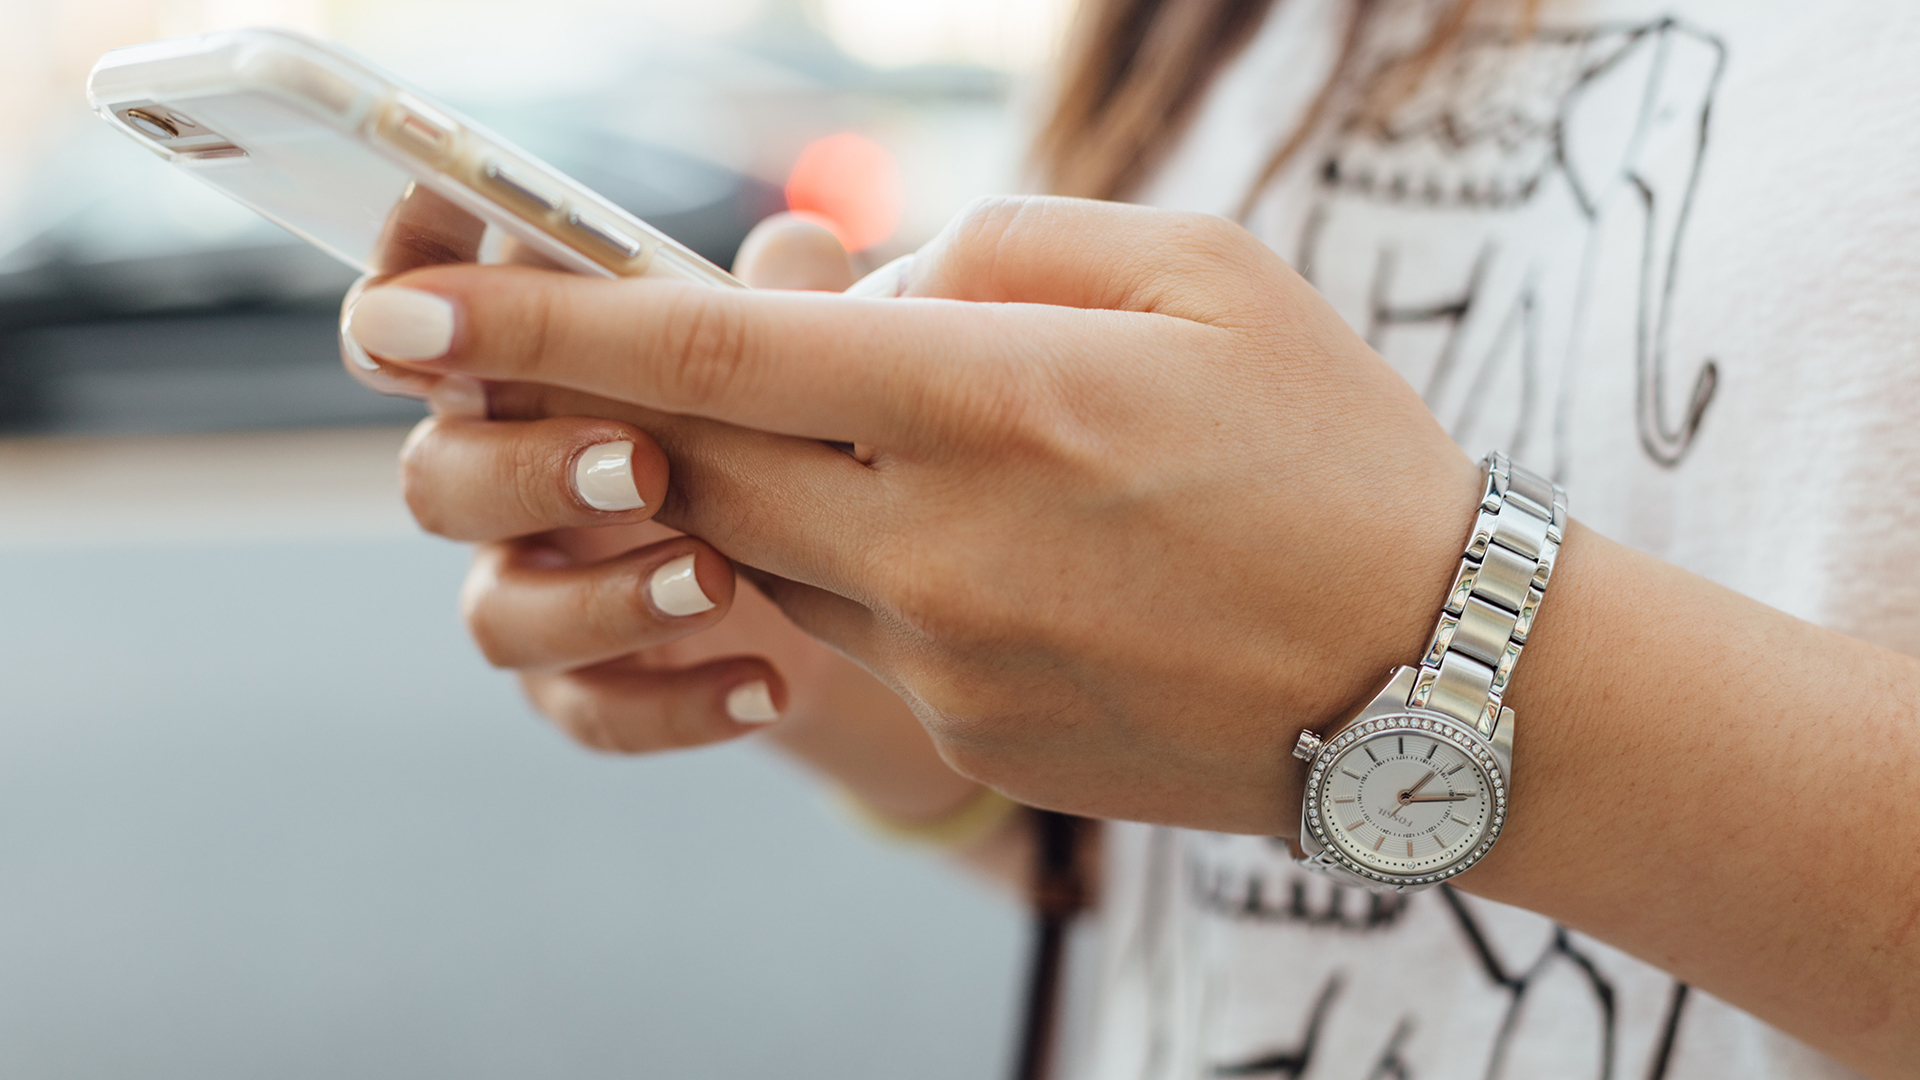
{"type": "Point", "coordinates": [1407, 795]}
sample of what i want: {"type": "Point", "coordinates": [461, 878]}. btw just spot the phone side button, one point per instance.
{"type": "Point", "coordinates": [519, 186]}
{"type": "Point", "coordinates": [604, 234]}
{"type": "Point", "coordinates": [417, 129]}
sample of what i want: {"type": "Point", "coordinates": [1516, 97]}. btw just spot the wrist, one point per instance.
{"type": "Point", "coordinates": [1412, 789]}
{"type": "Point", "coordinates": [1386, 620]}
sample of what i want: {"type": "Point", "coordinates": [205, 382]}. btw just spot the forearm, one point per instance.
{"type": "Point", "coordinates": [1726, 792]}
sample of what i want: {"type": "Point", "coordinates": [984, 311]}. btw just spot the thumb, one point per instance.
{"type": "Point", "coordinates": [1087, 254]}
{"type": "Point", "coordinates": [792, 251]}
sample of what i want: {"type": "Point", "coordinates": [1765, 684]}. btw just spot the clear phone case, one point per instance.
{"type": "Point", "coordinates": [371, 171]}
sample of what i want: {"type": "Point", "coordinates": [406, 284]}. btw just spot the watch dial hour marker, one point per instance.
{"type": "Point", "coordinates": [1355, 824]}
{"type": "Point", "coordinates": [1370, 756]}
{"type": "Point", "coordinates": [1353, 774]}
{"type": "Point", "coordinates": [1409, 849]}
{"type": "Point", "coordinates": [1455, 769]}
{"type": "Point", "coordinates": [1344, 800]}
{"type": "Point", "coordinates": [1431, 749]}
{"type": "Point", "coordinates": [1403, 745]}
{"type": "Point", "coordinates": [1382, 840]}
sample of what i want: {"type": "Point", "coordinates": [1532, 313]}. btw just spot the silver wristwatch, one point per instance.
{"type": "Point", "coordinates": [1412, 790]}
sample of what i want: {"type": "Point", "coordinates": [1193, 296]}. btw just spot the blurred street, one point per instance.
{"type": "Point", "coordinates": [264, 812]}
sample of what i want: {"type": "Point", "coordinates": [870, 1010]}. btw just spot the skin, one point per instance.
{"type": "Point", "coordinates": [1134, 508]}
{"type": "Point", "coordinates": [644, 682]}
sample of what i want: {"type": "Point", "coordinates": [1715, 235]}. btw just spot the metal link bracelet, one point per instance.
{"type": "Point", "coordinates": [1495, 596]}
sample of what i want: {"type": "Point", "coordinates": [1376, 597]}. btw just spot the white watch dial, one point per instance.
{"type": "Point", "coordinates": [1406, 801]}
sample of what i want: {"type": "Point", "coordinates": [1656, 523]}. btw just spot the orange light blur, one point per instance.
{"type": "Point", "coordinates": [853, 184]}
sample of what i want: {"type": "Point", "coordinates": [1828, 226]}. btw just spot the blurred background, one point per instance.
{"type": "Point", "coordinates": [262, 810]}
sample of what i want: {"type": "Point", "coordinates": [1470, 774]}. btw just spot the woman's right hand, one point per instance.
{"type": "Point", "coordinates": [673, 651]}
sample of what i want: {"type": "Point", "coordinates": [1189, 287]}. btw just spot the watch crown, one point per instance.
{"type": "Point", "coordinates": [1306, 746]}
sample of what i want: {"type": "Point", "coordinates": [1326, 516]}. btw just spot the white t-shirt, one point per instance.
{"type": "Point", "coordinates": [1670, 252]}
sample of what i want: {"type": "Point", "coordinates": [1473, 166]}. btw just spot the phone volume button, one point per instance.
{"type": "Point", "coordinates": [604, 234]}
{"type": "Point", "coordinates": [418, 129]}
{"type": "Point", "coordinates": [518, 186]}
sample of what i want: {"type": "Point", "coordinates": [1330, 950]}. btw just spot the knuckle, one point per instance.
{"type": "Point", "coordinates": [610, 608]}
{"type": "Point", "coordinates": [481, 617]}
{"type": "Point", "coordinates": [416, 481]}
{"type": "Point", "coordinates": [539, 323]}
{"type": "Point", "coordinates": [985, 218]}
{"type": "Point", "coordinates": [581, 711]}
{"type": "Point", "coordinates": [530, 470]}
{"type": "Point", "coordinates": [703, 350]}
{"type": "Point", "coordinates": [980, 231]}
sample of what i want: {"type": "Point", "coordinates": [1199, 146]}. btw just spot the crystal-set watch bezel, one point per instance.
{"type": "Point", "coordinates": [1483, 753]}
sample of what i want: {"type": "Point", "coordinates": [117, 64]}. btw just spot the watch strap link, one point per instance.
{"type": "Point", "coordinates": [1495, 596]}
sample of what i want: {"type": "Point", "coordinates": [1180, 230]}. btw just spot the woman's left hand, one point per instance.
{"type": "Point", "coordinates": [1129, 506]}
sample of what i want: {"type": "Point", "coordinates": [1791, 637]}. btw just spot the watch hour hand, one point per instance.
{"type": "Point", "coordinates": [1437, 798]}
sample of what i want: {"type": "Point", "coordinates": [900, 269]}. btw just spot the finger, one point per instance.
{"type": "Point", "coordinates": [1087, 254]}
{"type": "Point", "coordinates": [896, 373]}
{"type": "Point", "coordinates": [793, 251]}
{"type": "Point", "coordinates": [425, 228]}
{"type": "Point", "coordinates": [794, 507]}
{"type": "Point", "coordinates": [888, 281]}
{"type": "Point", "coordinates": [491, 480]}
{"type": "Point", "coordinates": [527, 608]}
{"type": "Point", "coordinates": [389, 379]}
{"type": "Point", "coordinates": [624, 708]}
{"type": "Point", "coordinates": [846, 625]}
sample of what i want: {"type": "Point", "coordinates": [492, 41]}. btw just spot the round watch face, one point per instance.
{"type": "Point", "coordinates": [1408, 797]}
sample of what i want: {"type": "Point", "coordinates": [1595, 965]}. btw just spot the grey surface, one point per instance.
{"type": "Point", "coordinates": [263, 814]}
{"type": "Point", "coordinates": [230, 372]}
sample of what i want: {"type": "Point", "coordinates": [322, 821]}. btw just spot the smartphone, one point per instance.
{"type": "Point", "coordinates": [372, 171]}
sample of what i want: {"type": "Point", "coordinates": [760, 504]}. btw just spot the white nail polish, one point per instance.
{"type": "Point", "coordinates": [676, 591]}
{"type": "Point", "coordinates": [355, 353]}
{"type": "Point", "coordinates": [752, 703]}
{"type": "Point", "coordinates": [402, 324]}
{"type": "Point", "coordinates": [604, 477]}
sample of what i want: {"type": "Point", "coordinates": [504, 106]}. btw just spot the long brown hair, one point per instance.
{"type": "Point", "coordinates": [1135, 71]}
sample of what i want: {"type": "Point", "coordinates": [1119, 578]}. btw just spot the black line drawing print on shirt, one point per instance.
{"type": "Point", "coordinates": [1515, 141]}
{"type": "Point", "coordinates": [1290, 1063]}
{"type": "Point", "coordinates": [1544, 985]}
{"type": "Point", "coordinates": [1518, 983]}
{"type": "Point", "coordinates": [1254, 894]}
{"type": "Point", "coordinates": [1562, 948]}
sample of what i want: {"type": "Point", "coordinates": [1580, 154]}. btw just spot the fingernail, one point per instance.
{"type": "Point", "coordinates": [457, 395]}
{"type": "Point", "coordinates": [354, 352]}
{"type": "Point", "coordinates": [604, 478]}
{"type": "Point", "coordinates": [752, 703]}
{"type": "Point", "coordinates": [377, 377]}
{"type": "Point", "coordinates": [402, 324]}
{"type": "Point", "coordinates": [676, 591]}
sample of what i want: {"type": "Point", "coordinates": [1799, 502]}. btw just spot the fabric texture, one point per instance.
{"type": "Point", "coordinates": [1668, 253]}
